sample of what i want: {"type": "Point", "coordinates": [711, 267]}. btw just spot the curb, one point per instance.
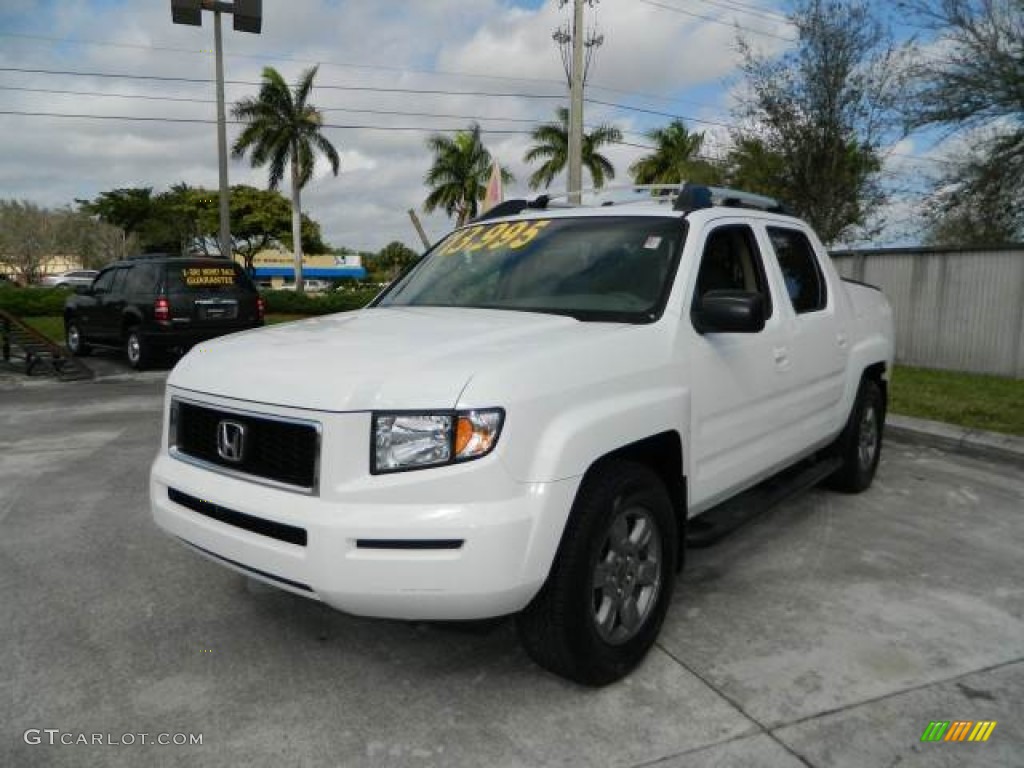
{"type": "Point", "coordinates": [949, 437]}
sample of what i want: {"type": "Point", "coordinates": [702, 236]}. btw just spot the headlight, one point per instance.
{"type": "Point", "coordinates": [420, 440]}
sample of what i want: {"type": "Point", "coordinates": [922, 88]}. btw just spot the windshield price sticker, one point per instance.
{"type": "Point", "coordinates": [494, 237]}
{"type": "Point", "coordinates": [194, 276]}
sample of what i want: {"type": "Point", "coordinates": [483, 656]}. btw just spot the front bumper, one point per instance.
{"type": "Point", "coordinates": [509, 531]}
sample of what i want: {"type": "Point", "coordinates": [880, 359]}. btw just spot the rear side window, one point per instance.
{"type": "Point", "coordinates": [142, 278]}
{"type": "Point", "coordinates": [805, 282]}
{"type": "Point", "coordinates": [732, 262]}
{"type": "Point", "coordinates": [205, 277]}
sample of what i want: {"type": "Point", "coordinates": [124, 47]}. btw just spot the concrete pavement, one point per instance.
{"type": "Point", "coordinates": [828, 632]}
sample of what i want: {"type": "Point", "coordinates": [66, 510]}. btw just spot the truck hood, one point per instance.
{"type": "Point", "coordinates": [374, 359]}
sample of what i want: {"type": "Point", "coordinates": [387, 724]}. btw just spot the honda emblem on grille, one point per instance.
{"type": "Point", "coordinates": [231, 441]}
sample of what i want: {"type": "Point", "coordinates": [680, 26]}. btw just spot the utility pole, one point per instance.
{"type": "Point", "coordinates": [576, 106]}
{"type": "Point", "coordinates": [577, 51]}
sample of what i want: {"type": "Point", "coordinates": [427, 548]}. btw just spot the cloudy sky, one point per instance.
{"type": "Point", "coordinates": [391, 71]}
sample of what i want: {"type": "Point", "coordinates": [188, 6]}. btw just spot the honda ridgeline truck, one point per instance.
{"type": "Point", "coordinates": [533, 419]}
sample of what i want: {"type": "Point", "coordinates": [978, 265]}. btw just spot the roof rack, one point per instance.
{"type": "Point", "coordinates": [684, 197]}
{"type": "Point", "coordinates": [693, 197]}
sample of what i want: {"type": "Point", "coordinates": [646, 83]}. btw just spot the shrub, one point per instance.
{"type": "Point", "coordinates": [292, 303]}
{"type": "Point", "coordinates": [33, 301]}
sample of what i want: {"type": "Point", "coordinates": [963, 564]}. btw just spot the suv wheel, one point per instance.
{"type": "Point", "coordinates": [859, 447]}
{"type": "Point", "coordinates": [75, 340]}
{"type": "Point", "coordinates": [137, 349]}
{"type": "Point", "coordinates": [610, 586]}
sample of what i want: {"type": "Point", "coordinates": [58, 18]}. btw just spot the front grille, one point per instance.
{"type": "Point", "coordinates": [281, 451]}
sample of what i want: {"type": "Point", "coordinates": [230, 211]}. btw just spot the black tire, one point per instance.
{"type": "Point", "coordinates": [859, 446]}
{"type": "Point", "coordinates": [569, 627]}
{"type": "Point", "coordinates": [75, 341]}
{"type": "Point", "coordinates": [137, 349]}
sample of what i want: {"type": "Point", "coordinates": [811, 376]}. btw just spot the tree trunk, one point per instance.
{"type": "Point", "coordinates": [297, 223]}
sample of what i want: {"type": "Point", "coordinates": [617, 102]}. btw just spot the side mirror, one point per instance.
{"type": "Point", "coordinates": [729, 312]}
{"type": "Point", "coordinates": [83, 290]}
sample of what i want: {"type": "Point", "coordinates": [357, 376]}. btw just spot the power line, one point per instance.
{"type": "Point", "coordinates": [193, 100]}
{"type": "Point", "coordinates": [658, 113]}
{"type": "Point", "coordinates": [613, 105]}
{"type": "Point", "coordinates": [207, 121]}
{"type": "Point", "coordinates": [437, 73]}
{"type": "Point", "coordinates": [752, 10]}
{"type": "Point", "coordinates": [263, 56]}
{"type": "Point", "coordinates": [204, 80]}
{"type": "Point", "coordinates": [713, 20]}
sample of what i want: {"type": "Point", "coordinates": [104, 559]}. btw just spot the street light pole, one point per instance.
{"type": "Point", "coordinates": [222, 144]}
{"type": "Point", "coordinates": [248, 17]}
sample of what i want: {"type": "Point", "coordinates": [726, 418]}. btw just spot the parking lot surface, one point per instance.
{"type": "Point", "coordinates": [828, 632]}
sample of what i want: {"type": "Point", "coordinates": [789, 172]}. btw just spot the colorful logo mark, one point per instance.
{"type": "Point", "coordinates": [958, 730]}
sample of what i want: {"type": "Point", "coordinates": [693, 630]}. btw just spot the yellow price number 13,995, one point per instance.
{"type": "Point", "coordinates": [494, 237]}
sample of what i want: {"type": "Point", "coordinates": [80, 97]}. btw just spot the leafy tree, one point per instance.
{"type": "Point", "coordinates": [676, 158]}
{"type": "Point", "coordinates": [822, 110]}
{"type": "Point", "coordinates": [259, 218]}
{"type": "Point", "coordinates": [392, 259]}
{"type": "Point", "coordinates": [458, 174]}
{"type": "Point", "coordinates": [979, 199]}
{"type": "Point", "coordinates": [283, 129]}
{"type": "Point", "coordinates": [970, 79]}
{"type": "Point", "coordinates": [551, 149]}
{"type": "Point", "coordinates": [753, 166]}
{"type": "Point", "coordinates": [163, 223]}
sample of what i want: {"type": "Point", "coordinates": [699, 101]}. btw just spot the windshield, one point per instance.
{"type": "Point", "coordinates": [615, 269]}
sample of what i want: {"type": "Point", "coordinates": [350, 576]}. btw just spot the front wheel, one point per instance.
{"type": "Point", "coordinates": [859, 447]}
{"type": "Point", "coordinates": [610, 586]}
{"type": "Point", "coordinates": [75, 341]}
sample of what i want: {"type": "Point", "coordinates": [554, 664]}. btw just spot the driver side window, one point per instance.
{"type": "Point", "coordinates": [731, 261]}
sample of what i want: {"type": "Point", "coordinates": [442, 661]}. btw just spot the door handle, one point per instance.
{"type": "Point", "coordinates": [781, 355]}
{"type": "Point", "coordinates": [841, 339]}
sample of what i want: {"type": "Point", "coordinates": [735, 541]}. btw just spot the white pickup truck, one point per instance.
{"type": "Point", "coordinates": [534, 420]}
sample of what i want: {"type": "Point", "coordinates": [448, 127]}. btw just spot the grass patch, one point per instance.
{"type": "Point", "coordinates": [51, 327]}
{"type": "Point", "coordinates": [991, 403]}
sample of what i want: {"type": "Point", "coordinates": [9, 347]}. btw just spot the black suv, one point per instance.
{"type": "Point", "coordinates": [149, 305]}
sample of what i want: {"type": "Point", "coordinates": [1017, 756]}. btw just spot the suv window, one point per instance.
{"type": "Point", "coordinates": [105, 280]}
{"type": "Point", "coordinates": [804, 281]}
{"type": "Point", "coordinates": [119, 277]}
{"type": "Point", "coordinates": [204, 277]}
{"type": "Point", "coordinates": [142, 278]}
{"type": "Point", "coordinates": [732, 262]}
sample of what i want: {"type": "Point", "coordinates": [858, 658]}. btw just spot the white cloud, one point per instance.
{"type": "Point", "coordinates": [496, 45]}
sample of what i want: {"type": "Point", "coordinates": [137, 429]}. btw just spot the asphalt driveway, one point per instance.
{"type": "Point", "coordinates": [829, 632]}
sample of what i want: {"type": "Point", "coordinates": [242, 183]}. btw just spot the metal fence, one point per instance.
{"type": "Point", "coordinates": [955, 309]}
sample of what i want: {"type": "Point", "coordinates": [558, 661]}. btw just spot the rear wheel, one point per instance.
{"type": "Point", "coordinates": [75, 341]}
{"type": "Point", "coordinates": [859, 447]}
{"type": "Point", "coordinates": [138, 350]}
{"type": "Point", "coordinates": [610, 586]}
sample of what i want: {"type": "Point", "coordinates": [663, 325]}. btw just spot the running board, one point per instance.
{"type": "Point", "coordinates": [706, 529]}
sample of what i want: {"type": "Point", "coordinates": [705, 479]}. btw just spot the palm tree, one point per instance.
{"type": "Point", "coordinates": [458, 176]}
{"type": "Point", "coordinates": [676, 158]}
{"type": "Point", "coordinates": [282, 129]}
{"type": "Point", "coordinates": [552, 147]}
